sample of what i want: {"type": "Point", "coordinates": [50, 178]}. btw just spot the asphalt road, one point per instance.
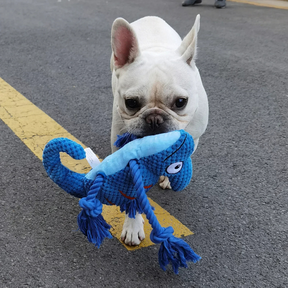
{"type": "Point", "coordinates": [57, 55]}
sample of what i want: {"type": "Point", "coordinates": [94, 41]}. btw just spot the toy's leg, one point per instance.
{"type": "Point", "coordinates": [90, 221]}
{"type": "Point", "coordinates": [133, 230]}
{"type": "Point", "coordinates": [172, 250]}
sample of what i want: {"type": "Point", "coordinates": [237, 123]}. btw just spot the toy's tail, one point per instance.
{"type": "Point", "coordinates": [70, 181]}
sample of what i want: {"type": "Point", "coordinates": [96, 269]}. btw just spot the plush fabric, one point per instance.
{"type": "Point", "coordinates": [123, 179]}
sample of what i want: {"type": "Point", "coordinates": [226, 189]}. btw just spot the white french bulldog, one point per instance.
{"type": "Point", "coordinates": [157, 88]}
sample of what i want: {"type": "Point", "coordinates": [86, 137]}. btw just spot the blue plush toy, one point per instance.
{"type": "Point", "coordinates": [122, 179]}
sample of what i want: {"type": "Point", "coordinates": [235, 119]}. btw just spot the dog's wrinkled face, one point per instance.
{"type": "Point", "coordinates": [155, 82]}
{"type": "Point", "coordinates": [153, 95]}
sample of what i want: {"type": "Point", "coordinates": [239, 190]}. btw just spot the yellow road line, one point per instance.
{"type": "Point", "coordinates": [263, 4]}
{"type": "Point", "coordinates": [35, 129]}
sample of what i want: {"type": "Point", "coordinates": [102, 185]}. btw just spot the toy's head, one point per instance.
{"type": "Point", "coordinates": [175, 161]}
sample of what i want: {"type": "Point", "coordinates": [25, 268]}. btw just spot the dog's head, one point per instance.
{"type": "Point", "coordinates": [154, 92]}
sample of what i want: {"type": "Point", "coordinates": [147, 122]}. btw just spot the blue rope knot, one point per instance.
{"type": "Point", "coordinates": [90, 221]}
{"type": "Point", "coordinates": [90, 204]}
{"type": "Point", "coordinates": [92, 208]}
{"type": "Point", "coordinates": [157, 236]}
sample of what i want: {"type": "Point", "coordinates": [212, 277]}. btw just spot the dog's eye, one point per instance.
{"type": "Point", "coordinates": [174, 168]}
{"type": "Point", "coordinates": [181, 102]}
{"type": "Point", "coordinates": [132, 103]}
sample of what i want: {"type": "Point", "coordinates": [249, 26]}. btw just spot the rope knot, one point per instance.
{"type": "Point", "coordinates": [92, 208]}
{"type": "Point", "coordinates": [159, 236]}
{"type": "Point", "coordinates": [90, 204]}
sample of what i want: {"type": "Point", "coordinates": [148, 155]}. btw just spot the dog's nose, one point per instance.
{"type": "Point", "coordinates": [154, 121]}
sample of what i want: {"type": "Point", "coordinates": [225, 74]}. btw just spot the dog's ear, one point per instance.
{"type": "Point", "coordinates": [124, 43]}
{"type": "Point", "coordinates": [188, 46]}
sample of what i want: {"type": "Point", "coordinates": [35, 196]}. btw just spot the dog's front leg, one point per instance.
{"type": "Point", "coordinates": [133, 230]}
{"type": "Point", "coordinates": [164, 182]}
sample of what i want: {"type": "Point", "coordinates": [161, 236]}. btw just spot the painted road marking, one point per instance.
{"type": "Point", "coordinates": [35, 129]}
{"type": "Point", "coordinates": [261, 3]}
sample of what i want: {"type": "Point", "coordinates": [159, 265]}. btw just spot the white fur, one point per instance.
{"type": "Point", "coordinates": [133, 232]}
{"type": "Point", "coordinates": [151, 63]}
{"type": "Point", "coordinates": [164, 182]}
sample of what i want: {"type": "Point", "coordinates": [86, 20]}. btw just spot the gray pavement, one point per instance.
{"type": "Point", "coordinates": [57, 55]}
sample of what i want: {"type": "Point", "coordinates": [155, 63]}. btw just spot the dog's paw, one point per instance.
{"type": "Point", "coordinates": [133, 230]}
{"type": "Point", "coordinates": [164, 182]}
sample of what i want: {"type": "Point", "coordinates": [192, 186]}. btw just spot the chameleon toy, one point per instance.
{"type": "Point", "coordinates": [122, 179]}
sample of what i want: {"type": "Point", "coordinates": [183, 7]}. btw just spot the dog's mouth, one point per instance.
{"type": "Point", "coordinates": [152, 127]}
{"type": "Point", "coordinates": [150, 122]}
{"type": "Point", "coordinates": [163, 128]}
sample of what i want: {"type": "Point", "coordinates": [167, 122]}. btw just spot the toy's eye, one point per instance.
{"type": "Point", "coordinates": [174, 168]}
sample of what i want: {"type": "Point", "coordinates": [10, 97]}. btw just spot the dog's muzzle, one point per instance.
{"type": "Point", "coordinates": [154, 121]}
